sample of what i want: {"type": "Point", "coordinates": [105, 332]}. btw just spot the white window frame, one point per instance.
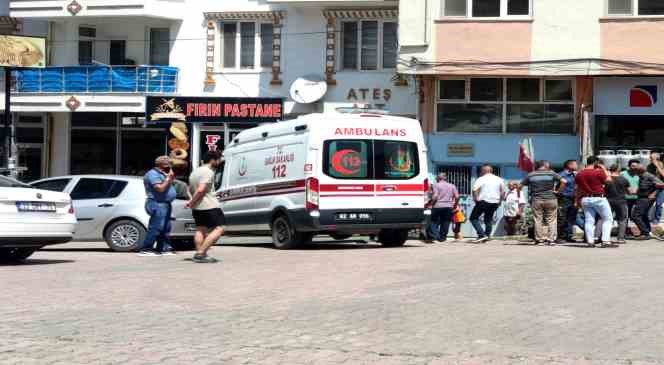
{"type": "Point", "coordinates": [358, 63]}
{"type": "Point", "coordinates": [504, 102]}
{"type": "Point", "coordinates": [503, 12]}
{"type": "Point", "coordinates": [238, 47]}
{"type": "Point", "coordinates": [634, 13]}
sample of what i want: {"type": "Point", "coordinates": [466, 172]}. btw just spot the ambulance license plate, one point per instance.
{"type": "Point", "coordinates": [354, 217]}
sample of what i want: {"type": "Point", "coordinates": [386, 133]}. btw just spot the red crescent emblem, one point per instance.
{"type": "Point", "coordinates": [346, 162]}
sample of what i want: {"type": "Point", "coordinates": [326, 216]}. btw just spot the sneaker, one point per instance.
{"type": "Point", "coordinates": [168, 253]}
{"type": "Point", "coordinates": [480, 240]}
{"type": "Point", "coordinates": [204, 259]}
{"type": "Point", "coordinates": [642, 237]}
{"type": "Point", "coordinates": [149, 253]}
{"type": "Point", "coordinates": [620, 241]}
{"type": "Point", "coordinates": [657, 237]}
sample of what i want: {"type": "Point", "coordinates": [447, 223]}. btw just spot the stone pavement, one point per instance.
{"type": "Point", "coordinates": [453, 303]}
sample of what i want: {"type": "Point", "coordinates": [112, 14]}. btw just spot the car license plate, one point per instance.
{"type": "Point", "coordinates": [354, 217]}
{"type": "Point", "coordinates": [190, 227]}
{"type": "Point", "coordinates": [35, 207]}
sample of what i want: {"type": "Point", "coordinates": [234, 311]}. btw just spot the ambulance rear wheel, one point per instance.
{"type": "Point", "coordinates": [393, 237]}
{"type": "Point", "coordinates": [284, 235]}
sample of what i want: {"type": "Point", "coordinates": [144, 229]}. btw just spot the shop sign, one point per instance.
{"type": "Point", "coordinates": [213, 110]}
{"type": "Point", "coordinates": [460, 150]}
{"type": "Point", "coordinates": [366, 94]}
{"type": "Point", "coordinates": [643, 96]}
{"type": "Point", "coordinates": [20, 51]}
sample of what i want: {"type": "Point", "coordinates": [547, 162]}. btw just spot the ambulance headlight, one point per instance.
{"type": "Point", "coordinates": [315, 214]}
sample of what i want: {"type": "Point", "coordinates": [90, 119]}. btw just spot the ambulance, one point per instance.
{"type": "Point", "coordinates": [337, 174]}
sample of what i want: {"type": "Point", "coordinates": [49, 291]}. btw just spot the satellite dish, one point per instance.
{"type": "Point", "coordinates": [308, 89]}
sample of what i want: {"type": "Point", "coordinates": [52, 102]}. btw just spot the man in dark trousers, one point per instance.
{"type": "Point", "coordinates": [616, 192]}
{"type": "Point", "coordinates": [488, 193]}
{"type": "Point", "coordinates": [567, 210]}
{"type": "Point", "coordinates": [649, 185]}
{"type": "Point", "coordinates": [445, 199]}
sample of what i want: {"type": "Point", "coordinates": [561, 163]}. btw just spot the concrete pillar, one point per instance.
{"type": "Point", "coordinates": [60, 146]}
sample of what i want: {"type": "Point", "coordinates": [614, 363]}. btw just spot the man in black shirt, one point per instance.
{"type": "Point", "coordinates": [616, 191]}
{"type": "Point", "coordinates": [657, 169]}
{"type": "Point", "coordinates": [648, 186]}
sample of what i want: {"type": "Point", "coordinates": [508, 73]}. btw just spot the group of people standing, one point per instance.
{"type": "Point", "coordinates": [161, 190]}
{"type": "Point", "coordinates": [591, 198]}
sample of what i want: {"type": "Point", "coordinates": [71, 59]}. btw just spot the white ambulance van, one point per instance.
{"type": "Point", "coordinates": [337, 174]}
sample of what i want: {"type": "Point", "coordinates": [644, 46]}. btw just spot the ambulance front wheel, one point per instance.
{"type": "Point", "coordinates": [284, 235]}
{"type": "Point", "coordinates": [393, 237]}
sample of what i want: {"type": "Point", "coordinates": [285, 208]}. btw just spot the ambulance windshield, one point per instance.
{"type": "Point", "coordinates": [359, 159]}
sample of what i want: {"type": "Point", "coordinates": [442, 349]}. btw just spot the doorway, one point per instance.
{"type": "Point", "coordinates": [30, 141]}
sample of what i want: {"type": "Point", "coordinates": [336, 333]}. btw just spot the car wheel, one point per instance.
{"type": "Point", "coordinates": [393, 237]}
{"type": "Point", "coordinates": [125, 235]}
{"type": "Point", "coordinates": [284, 235]}
{"type": "Point", "coordinates": [14, 254]}
{"type": "Point", "coordinates": [340, 236]}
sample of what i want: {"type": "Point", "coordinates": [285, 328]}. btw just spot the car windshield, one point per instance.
{"type": "Point", "coordinates": [8, 182]}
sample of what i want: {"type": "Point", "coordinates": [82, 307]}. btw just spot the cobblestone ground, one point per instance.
{"type": "Point", "coordinates": [455, 303]}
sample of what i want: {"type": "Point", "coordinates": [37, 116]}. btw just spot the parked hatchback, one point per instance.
{"type": "Point", "coordinates": [111, 208]}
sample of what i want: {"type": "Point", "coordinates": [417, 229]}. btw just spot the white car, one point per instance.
{"type": "Point", "coordinates": [112, 208]}
{"type": "Point", "coordinates": [32, 218]}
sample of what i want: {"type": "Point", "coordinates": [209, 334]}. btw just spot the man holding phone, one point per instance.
{"type": "Point", "coordinates": [160, 194]}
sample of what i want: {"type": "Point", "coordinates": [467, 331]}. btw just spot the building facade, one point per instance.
{"type": "Point", "coordinates": [575, 76]}
{"type": "Point", "coordinates": [105, 60]}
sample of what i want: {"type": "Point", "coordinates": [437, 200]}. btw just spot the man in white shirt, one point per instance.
{"type": "Point", "coordinates": [488, 192]}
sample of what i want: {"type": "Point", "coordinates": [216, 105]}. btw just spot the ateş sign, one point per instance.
{"type": "Point", "coordinates": [213, 110]}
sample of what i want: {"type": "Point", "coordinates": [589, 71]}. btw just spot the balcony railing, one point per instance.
{"type": "Point", "coordinates": [96, 79]}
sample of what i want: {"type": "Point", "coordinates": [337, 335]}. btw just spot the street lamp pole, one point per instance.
{"type": "Point", "coordinates": [6, 134]}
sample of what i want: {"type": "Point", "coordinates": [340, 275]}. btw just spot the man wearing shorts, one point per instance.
{"type": "Point", "coordinates": [205, 207]}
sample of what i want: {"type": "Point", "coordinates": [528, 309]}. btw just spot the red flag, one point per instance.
{"type": "Point", "coordinates": [526, 160]}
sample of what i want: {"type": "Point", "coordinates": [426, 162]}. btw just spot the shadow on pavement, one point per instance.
{"type": "Point", "coordinates": [30, 262]}
{"type": "Point", "coordinates": [322, 246]}
{"type": "Point", "coordinates": [80, 249]}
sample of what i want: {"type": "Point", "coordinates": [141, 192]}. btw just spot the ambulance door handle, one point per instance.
{"type": "Point", "coordinates": [404, 204]}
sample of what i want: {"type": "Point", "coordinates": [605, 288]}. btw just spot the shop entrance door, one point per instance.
{"type": "Point", "coordinates": [30, 161]}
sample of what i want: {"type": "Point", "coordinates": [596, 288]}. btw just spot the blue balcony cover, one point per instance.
{"type": "Point", "coordinates": [97, 79]}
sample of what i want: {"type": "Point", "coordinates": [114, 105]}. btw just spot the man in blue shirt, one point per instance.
{"type": "Point", "coordinates": [566, 209]}
{"type": "Point", "coordinates": [160, 194]}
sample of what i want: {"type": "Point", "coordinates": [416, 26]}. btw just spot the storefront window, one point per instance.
{"type": "Point", "coordinates": [139, 149]}
{"type": "Point", "coordinates": [523, 89]}
{"type": "Point", "coordinates": [629, 131]}
{"type": "Point", "coordinates": [533, 118]}
{"type": "Point", "coordinates": [513, 105]}
{"type": "Point", "coordinates": [471, 118]}
{"type": "Point", "coordinates": [486, 90]}
{"type": "Point", "coordinates": [452, 89]}
{"type": "Point", "coordinates": [93, 151]}
{"type": "Point", "coordinates": [108, 143]}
